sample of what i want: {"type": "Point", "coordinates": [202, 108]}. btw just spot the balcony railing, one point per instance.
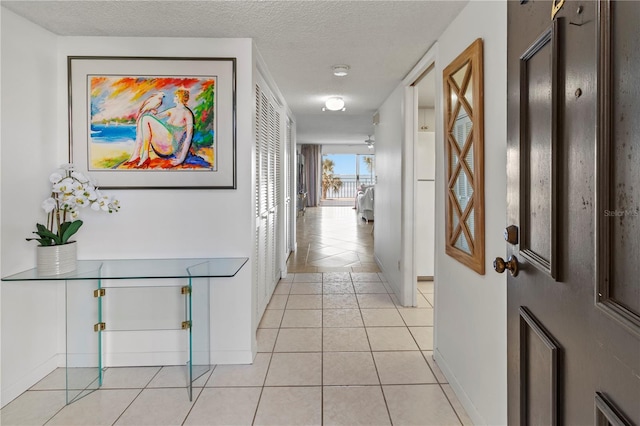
{"type": "Point", "coordinates": [349, 187]}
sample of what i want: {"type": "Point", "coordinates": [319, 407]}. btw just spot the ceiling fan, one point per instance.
{"type": "Point", "coordinates": [370, 142]}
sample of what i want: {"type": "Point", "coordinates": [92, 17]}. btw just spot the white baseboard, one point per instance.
{"type": "Point", "coordinates": [174, 358]}
{"type": "Point", "coordinates": [11, 391]}
{"type": "Point", "coordinates": [471, 410]}
{"type": "Point", "coordinates": [386, 276]}
{"type": "Point", "coordinates": [14, 390]}
{"type": "Point", "coordinates": [232, 357]}
{"type": "Point", "coordinates": [394, 285]}
{"type": "Point", "coordinates": [80, 360]}
{"type": "Point", "coordinates": [152, 359]}
{"type": "Point", "coordinates": [145, 359]}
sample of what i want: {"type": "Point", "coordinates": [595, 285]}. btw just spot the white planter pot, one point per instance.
{"type": "Point", "coordinates": [55, 260]}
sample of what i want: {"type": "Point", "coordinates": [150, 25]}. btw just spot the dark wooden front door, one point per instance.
{"type": "Point", "coordinates": [574, 194]}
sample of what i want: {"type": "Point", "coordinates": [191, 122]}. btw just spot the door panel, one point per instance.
{"type": "Point", "coordinates": [539, 373]}
{"type": "Point", "coordinates": [618, 165]}
{"type": "Point", "coordinates": [538, 156]}
{"type": "Point", "coordinates": [607, 414]}
{"type": "Point", "coordinates": [573, 308]}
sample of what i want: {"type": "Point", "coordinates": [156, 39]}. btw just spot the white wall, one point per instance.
{"type": "Point", "coordinates": [470, 312]}
{"type": "Point", "coordinates": [348, 149]}
{"type": "Point", "coordinates": [30, 312]}
{"type": "Point", "coordinates": [388, 202]}
{"type": "Point", "coordinates": [34, 142]}
{"type": "Point", "coordinates": [470, 315]}
{"type": "Point", "coordinates": [426, 117]}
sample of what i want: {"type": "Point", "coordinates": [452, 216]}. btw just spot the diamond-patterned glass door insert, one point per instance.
{"type": "Point", "coordinates": [463, 119]}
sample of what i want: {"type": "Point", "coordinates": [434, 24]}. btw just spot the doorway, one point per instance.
{"type": "Point", "coordinates": [424, 166]}
{"type": "Point", "coordinates": [330, 236]}
{"type": "Point", "coordinates": [343, 175]}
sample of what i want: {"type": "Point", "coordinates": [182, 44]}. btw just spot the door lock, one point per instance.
{"type": "Point", "coordinates": [511, 234]}
{"type": "Point", "coordinates": [512, 265]}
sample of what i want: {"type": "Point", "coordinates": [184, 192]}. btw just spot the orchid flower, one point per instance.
{"type": "Point", "coordinates": [55, 177]}
{"type": "Point", "coordinates": [70, 191]}
{"type": "Point", "coordinates": [49, 204]}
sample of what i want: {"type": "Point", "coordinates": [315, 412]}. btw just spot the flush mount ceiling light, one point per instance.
{"type": "Point", "coordinates": [334, 104]}
{"type": "Point", "coordinates": [341, 70]}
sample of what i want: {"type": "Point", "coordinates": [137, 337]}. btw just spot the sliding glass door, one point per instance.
{"type": "Point", "coordinates": [365, 169]}
{"type": "Point", "coordinates": [343, 174]}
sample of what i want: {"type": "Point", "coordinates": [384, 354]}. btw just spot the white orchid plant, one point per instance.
{"type": "Point", "coordinates": [71, 191]}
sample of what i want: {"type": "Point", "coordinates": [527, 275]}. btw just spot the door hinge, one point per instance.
{"type": "Point", "coordinates": [185, 290]}
{"type": "Point", "coordinates": [99, 292]}
{"type": "Point", "coordinates": [186, 325]}
{"type": "Point", "coordinates": [99, 326]}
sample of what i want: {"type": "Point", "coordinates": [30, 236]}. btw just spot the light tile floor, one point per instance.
{"type": "Point", "coordinates": [333, 239]}
{"type": "Point", "coordinates": [334, 348]}
{"type": "Point", "coordinates": [333, 353]}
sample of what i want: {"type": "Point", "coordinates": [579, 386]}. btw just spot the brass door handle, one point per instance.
{"type": "Point", "coordinates": [512, 265]}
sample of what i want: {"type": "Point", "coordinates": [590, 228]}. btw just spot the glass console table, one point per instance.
{"type": "Point", "coordinates": [104, 296]}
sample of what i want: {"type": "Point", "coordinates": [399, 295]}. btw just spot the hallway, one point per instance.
{"type": "Point", "coordinates": [361, 357]}
{"type": "Point", "coordinates": [334, 348]}
{"type": "Point", "coordinates": [333, 239]}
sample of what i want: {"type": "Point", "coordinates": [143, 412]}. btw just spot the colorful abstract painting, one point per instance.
{"type": "Point", "coordinates": [156, 123]}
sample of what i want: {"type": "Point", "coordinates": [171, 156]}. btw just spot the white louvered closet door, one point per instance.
{"type": "Point", "coordinates": [271, 205]}
{"type": "Point", "coordinates": [268, 196]}
{"type": "Point", "coordinates": [275, 154]}
{"type": "Point", "coordinates": [262, 115]}
{"type": "Point", "coordinates": [286, 243]}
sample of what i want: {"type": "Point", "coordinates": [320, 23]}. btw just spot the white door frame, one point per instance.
{"type": "Point", "coordinates": [293, 186]}
{"type": "Point", "coordinates": [408, 289]}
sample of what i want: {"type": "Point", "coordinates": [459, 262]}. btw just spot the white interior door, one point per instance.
{"type": "Point", "coordinates": [269, 196]}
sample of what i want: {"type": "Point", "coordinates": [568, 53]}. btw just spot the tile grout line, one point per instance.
{"type": "Point", "coordinates": [375, 365]}
{"type": "Point", "coordinates": [55, 414]}
{"type": "Point", "coordinates": [264, 382]}
{"type": "Point", "coordinates": [195, 401]}
{"type": "Point", "coordinates": [306, 258]}
{"type": "Point", "coordinates": [421, 350]}
{"type": "Point", "coordinates": [429, 365]}
{"type": "Point", "coordinates": [138, 395]}
{"type": "Point", "coordinates": [322, 350]}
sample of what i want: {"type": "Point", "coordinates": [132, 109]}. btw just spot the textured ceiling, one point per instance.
{"type": "Point", "coordinates": [299, 40]}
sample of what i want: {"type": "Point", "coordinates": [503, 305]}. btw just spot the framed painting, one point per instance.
{"type": "Point", "coordinates": [152, 122]}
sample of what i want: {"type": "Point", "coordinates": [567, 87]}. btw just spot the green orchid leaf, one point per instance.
{"type": "Point", "coordinates": [67, 229]}
{"type": "Point", "coordinates": [44, 232]}
{"type": "Point", "coordinates": [42, 241]}
{"type": "Point", "coordinates": [41, 228]}
{"type": "Point", "coordinates": [63, 228]}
